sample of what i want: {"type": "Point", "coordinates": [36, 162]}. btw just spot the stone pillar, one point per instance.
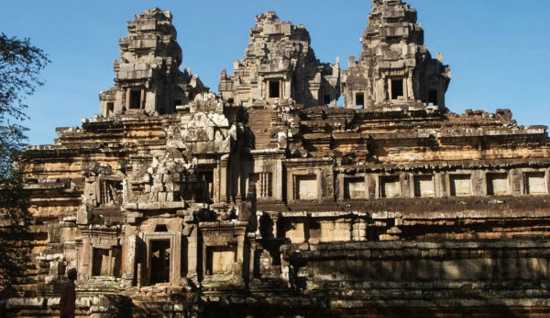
{"type": "Point", "coordinates": [215, 195]}
{"type": "Point", "coordinates": [129, 251]}
{"type": "Point", "coordinates": [142, 100]}
{"type": "Point", "coordinates": [223, 187]}
{"type": "Point", "coordinates": [240, 252]}
{"type": "Point", "coordinates": [239, 179]}
{"type": "Point", "coordinates": [277, 182]}
{"type": "Point", "coordinates": [410, 87]}
{"type": "Point", "coordinates": [192, 253]}
{"type": "Point", "coordinates": [110, 262]}
{"type": "Point", "coordinates": [286, 89]}
{"type": "Point", "coordinates": [274, 218]}
{"type": "Point", "coordinates": [252, 256]}
{"type": "Point", "coordinates": [127, 101]}
{"type": "Point", "coordinates": [175, 260]}
{"type": "Point", "coordinates": [84, 259]}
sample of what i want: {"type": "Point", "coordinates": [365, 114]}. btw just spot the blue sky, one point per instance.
{"type": "Point", "coordinates": [499, 50]}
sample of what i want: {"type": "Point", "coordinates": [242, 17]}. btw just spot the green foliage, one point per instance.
{"type": "Point", "coordinates": [20, 66]}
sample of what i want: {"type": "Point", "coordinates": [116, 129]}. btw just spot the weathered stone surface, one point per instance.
{"type": "Point", "coordinates": [271, 201]}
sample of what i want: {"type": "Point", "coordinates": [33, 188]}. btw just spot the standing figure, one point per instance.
{"type": "Point", "coordinates": [67, 305]}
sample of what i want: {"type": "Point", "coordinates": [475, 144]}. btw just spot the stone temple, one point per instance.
{"type": "Point", "coordinates": [270, 200]}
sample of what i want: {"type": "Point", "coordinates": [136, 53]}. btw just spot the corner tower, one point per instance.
{"type": "Point", "coordinates": [395, 69]}
{"type": "Point", "coordinates": [148, 79]}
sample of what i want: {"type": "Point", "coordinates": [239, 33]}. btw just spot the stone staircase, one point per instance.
{"type": "Point", "coordinates": [263, 124]}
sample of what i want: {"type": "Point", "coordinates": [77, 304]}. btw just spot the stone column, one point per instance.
{"type": "Point", "coordinates": [252, 256]}
{"type": "Point", "coordinates": [192, 252]}
{"type": "Point", "coordinates": [110, 262]}
{"type": "Point", "coordinates": [175, 260]}
{"type": "Point", "coordinates": [274, 218]}
{"type": "Point", "coordinates": [127, 101]}
{"type": "Point", "coordinates": [215, 195]}
{"type": "Point", "coordinates": [286, 89]}
{"type": "Point", "coordinates": [240, 252]}
{"type": "Point", "coordinates": [238, 177]}
{"type": "Point", "coordinates": [223, 187]}
{"type": "Point", "coordinates": [410, 87]}
{"type": "Point", "coordinates": [277, 182]}
{"type": "Point", "coordinates": [142, 100]}
{"type": "Point", "coordinates": [129, 252]}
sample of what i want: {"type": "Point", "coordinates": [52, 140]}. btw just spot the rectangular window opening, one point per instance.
{"type": "Point", "coordinates": [208, 178]}
{"type": "Point", "coordinates": [359, 100]}
{"type": "Point", "coordinates": [110, 192]}
{"type": "Point", "coordinates": [396, 88]}
{"type": "Point", "coordinates": [432, 97]}
{"type": "Point", "coordinates": [261, 183]}
{"type": "Point", "coordinates": [326, 99]}
{"type": "Point", "coordinates": [160, 261]}
{"type": "Point", "coordinates": [107, 262]}
{"type": "Point", "coordinates": [135, 99]}
{"type": "Point", "coordinates": [274, 89]}
{"type": "Point", "coordinates": [110, 108]}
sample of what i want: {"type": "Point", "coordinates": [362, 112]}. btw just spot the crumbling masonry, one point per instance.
{"type": "Point", "coordinates": [269, 200]}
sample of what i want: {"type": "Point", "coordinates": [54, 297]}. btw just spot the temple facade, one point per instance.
{"type": "Point", "coordinates": [270, 200]}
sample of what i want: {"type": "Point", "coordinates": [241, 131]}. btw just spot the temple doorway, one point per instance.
{"type": "Point", "coordinates": [160, 261]}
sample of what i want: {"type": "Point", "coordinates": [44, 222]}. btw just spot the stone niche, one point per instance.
{"type": "Point", "coordinates": [305, 187]}
{"type": "Point", "coordinates": [424, 186]}
{"type": "Point", "coordinates": [535, 182]}
{"type": "Point", "coordinates": [223, 250]}
{"type": "Point", "coordinates": [460, 185]}
{"type": "Point", "coordinates": [498, 183]}
{"type": "Point", "coordinates": [309, 179]}
{"type": "Point", "coordinates": [390, 186]}
{"type": "Point", "coordinates": [355, 188]}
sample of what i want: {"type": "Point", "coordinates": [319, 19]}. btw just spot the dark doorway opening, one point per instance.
{"type": "Point", "coordinates": [274, 89]}
{"type": "Point", "coordinates": [360, 99]}
{"type": "Point", "coordinates": [396, 88]}
{"type": "Point", "coordinates": [135, 99]}
{"type": "Point", "coordinates": [160, 261]}
{"type": "Point", "coordinates": [326, 99]}
{"type": "Point", "coordinates": [432, 97]}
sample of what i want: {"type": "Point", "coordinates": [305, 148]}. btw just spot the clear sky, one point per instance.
{"type": "Point", "coordinates": [499, 50]}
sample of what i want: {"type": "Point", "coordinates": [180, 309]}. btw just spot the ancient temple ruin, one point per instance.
{"type": "Point", "coordinates": [395, 68]}
{"type": "Point", "coordinates": [279, 65]}
{"type": "Point", "coordinates": [270, 200]}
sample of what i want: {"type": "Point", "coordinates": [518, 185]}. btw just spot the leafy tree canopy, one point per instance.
{"type": "Point", "coordinates": [20, 67]}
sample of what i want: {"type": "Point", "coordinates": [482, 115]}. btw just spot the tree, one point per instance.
{"type": "Point", "coordinates": [20, 67]}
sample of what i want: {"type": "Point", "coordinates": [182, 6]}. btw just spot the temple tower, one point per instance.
{"type": "Point", "coordinates": [148, 79]}
{"type": "Point", "coordinates": [395, 69]}
{"type": "Point", "coordinates": [280, 65]}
